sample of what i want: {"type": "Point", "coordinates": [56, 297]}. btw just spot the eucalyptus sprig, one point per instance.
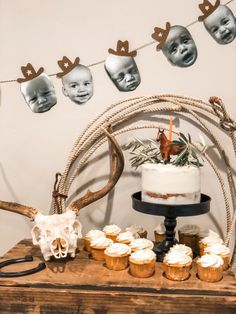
{"type": "Point", "coordinates": [143, 152]}
{"type": "Point", "coordinates": [148, 151]}
{"type": "Point", "coordinates": [188, 155]}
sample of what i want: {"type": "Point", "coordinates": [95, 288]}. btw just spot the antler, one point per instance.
{"type": "Point", "coordinates": [27, 211]}
{"type": "Point", "coordinates": [116, 171]}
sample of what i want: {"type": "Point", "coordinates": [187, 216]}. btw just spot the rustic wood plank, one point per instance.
{"type": "Point", "coordinates": [82, 285]}
{"type": "Point", "coordinates": [75, 301]}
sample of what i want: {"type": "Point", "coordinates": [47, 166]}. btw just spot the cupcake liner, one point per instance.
{"type": "Point", "coordinates": [87, 245]}
{"type": "Point", "coordinates": [117, 262]}
{"type": "Point", "coordinates": [142, 270]}
{"type": "Point", "coordinates": [112, 237]}
{"type": "Point", "coordinates": [98, 254]}
{"type": "Point", "coordinates": [226, 261]}
{"type": "Point", "coordinates": [159, 237]}
{"type": "Point", "coordinates": [142, 234]}
{"type": "Point", "coordinates": [123, 241]}
{"type": "Point", "coordinates": [201, 248]}
{"type": "Point", "coordinates": [177, 272]}
{"type": "Point", "coordinates": [209, 274]}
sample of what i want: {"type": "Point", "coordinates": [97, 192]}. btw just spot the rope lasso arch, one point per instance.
{"type": "Point", "coordinates": [119, 114]}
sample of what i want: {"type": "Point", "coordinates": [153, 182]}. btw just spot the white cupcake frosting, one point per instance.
{"type": "Point", "coordinates": [210, 260]}
{"type": "Point", "coordinates": [116, 249]}
{"type": "Point", "coordinates": [135, 230]}
{"type": "Point", "coordinates": [94, 234]}
{"type": "Point", "coordinates": [218, 249]}
{"type": "Point", "coordinates": [177, 258]}
{"type": "Point", "coordinates": [141, 244]}
{"type": "Point", "coordinates": [181, 248]}
{"type": "Point", "coordinates": [124, 236]}
{"type": "Point", "coordinates": [110, 229]}
{"type": "Point", "coordinates": [160, 228]}
{"type": "Point", "coordinates": [211, 240]}
{"type": "Point", "coordinates": [189, 229]}
{"type": "Point", "coordinates": [142, 255]}
{"type": "Point", "coordinates": [101, 242]}
{"type": "Point", "coordinates": [208, 233]}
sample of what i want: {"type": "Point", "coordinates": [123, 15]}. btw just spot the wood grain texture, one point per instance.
{"type": "Point", "coordinates": [82, 285]}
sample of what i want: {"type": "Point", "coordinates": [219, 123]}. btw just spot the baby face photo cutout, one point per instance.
{"type": "Point", "coordinates": [77, 81]}
{"type": "Point", "coordinates": [37, 89]}
{"type": "Point", "coordinates": [176, 44]}
{"type": "Point", "coordinates": [219, 21]}
{"type": "Point", "coordinates": [121, 67]}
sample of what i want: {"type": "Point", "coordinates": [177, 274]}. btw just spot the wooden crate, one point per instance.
{"type": "Point", "coordinates": [82, 285]}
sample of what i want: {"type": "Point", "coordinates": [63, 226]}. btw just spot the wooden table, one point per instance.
{"type": "Point", "coordinates": [82, 285]}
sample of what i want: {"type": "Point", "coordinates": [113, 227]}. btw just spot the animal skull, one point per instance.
{"type": "Point", "coordinates": [56, 234]}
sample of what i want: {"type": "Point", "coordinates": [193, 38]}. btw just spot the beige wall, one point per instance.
{"type": "Point", "coordinates": [35, 146]}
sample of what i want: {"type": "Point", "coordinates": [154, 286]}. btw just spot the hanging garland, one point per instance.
{"type": "Point", "coordinates": [175, 42]}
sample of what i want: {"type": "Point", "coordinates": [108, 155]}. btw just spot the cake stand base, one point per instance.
{"type": "Point", "coordinates": [162, 248]}
{"type": "Point", "coordinates": [170, 212]}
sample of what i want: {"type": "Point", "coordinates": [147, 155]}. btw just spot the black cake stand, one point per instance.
{"type": "Point", "coordinates": [170, 212]}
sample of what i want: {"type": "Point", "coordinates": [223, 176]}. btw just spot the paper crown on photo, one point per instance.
{"type": "Point", "coordinates": [66, 65]}
{"type": "Point", "coordinates": [207, 8]}
{"type": "Point", "coordinates": [160, 35]}
{"type": "Point", "coordinates": [29, 73]}
{"type": "Point", "coordinates": [122, 49]}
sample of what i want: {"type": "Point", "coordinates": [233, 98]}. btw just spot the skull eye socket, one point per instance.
{"type": "Point", "coordinates": [67, 230]}
{"type": "Point", "coordinates": [48, 233]}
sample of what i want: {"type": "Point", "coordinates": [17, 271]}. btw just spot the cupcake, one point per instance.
{"type": "Point", "coordinates": [177, 266]}
{"type": "Point", "coordinates": [210, 268]}
{"type": "Point", "coordinates": [111, 231]}
{"type": "Point", "coordinates": [221, 250]}
{"type": "Point", "coordinates": [159, 233]}
{"type": "Point", "coordinates": [92, 234]}
{"type": "Point", "coordinates": [211, 239]}
{"type": "Point", "coordinates": [188, 235]}
{"type": "Point", "coordinates": [137, 231]}
{"type": "Point", "coordinates": [141, 244]}
{"type": "Point", "coordinates": [98, 247]}
{"type": "Point", "coordinates": [182, 248]}
{"type": "Point", "coordinates": [125, 237]}
{"type": "Point", "coordinates": [142, 263]}
{"type": "Point", "coordinates": [117, 256]}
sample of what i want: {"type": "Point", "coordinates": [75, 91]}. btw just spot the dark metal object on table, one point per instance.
{"type": "Point", "coordinates": [27, 258]}
{"type": "Point", "coordinates": [170, 212]}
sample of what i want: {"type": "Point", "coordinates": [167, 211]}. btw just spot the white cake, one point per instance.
{"type": "Point", "coordinates": [169, 184]}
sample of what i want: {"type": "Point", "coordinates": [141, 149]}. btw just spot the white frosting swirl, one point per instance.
{"type": "Point", "coordinates": [100, 242]}
{"type": "Point", "coordinates": [218, 249]}
{"type": "Point", "coordinates": [210, 260]}
{"type": "Point", "coordinates": [142, 255]}
{"type": "Point", "coordinates": [94, 234]}
{"type": "Point", "coordinates": [112, 229]}
{"type": "Point", "coordinates": [211, 240]}
{"type": "Point", "coordinates": [116, 249]}
{"type": "Point", "coordinates": [124, 236]}
{"type": "Point", "coordinates": [208, 233]}
{"type": "Point", "coordinates": [141, 244]}
{"type": "Point", "coordinates": [189, 229]}
{"type": "Point", "coordinates": [135, 230]}
{"type": "Point", "coordinates": [213, 234]}
{"type": "Point", "coordinates": [181, 248]}
{"type": "Point", "coordinates": [177, 258]}
{"type": "Point", "coordinates": [160, 228]}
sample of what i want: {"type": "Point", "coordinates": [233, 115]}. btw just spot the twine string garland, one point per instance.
{"type": "Point", "coordinates": [103, 61]}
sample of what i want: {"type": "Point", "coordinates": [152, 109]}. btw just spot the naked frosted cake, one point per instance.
{"type": "Point", "coordinates": [170, 184]}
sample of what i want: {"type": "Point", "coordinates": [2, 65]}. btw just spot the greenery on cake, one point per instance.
{"type": "Point", "coordinates": [179, 152]}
